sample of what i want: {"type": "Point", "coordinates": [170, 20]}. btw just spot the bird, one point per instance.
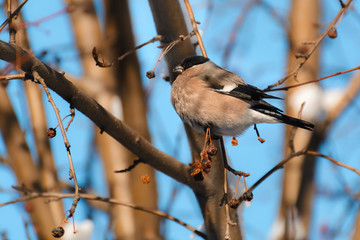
{"type": "Point", "coordinates": [206, 95]}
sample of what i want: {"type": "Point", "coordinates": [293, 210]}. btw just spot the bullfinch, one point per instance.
{"type": "Point", "coordinates": [208, 96]}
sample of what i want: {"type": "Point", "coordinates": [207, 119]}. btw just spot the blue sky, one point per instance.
{"type": "Point", "coordinates": [259, 56]}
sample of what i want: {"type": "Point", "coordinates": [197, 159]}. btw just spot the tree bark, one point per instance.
{"type": "Point", "coordinates": [24, 167]}
{"type": "Point", "coordinates": [120, 39]}
{"type": "Point", "coordinates": [88, 35]}
{"type": "Point", "coordinates": [298, 180]}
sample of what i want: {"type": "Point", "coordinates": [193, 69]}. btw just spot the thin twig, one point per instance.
{"type": "Point", "coordinates": [312, 81]}
{"type": "Point", "coordinates": [154, 39]}
{"type": "Point", "coordinates": [131, 167]}
{"type": "Point", "coordinates": [245, 11]}
{"type": "Point", "coordinates": [16, 12]}
{"type": "Point", "coordinates": [72, 114]}
{"type": "Point", "coordinates": [102, 63]}
{"type": "Point", "coordinates": [315, 45]}
{"type": "Point", "coordinates": [342, 4]}
{"type": "Point", "coordinates": [12, 77]}
{"type": "Point", "coordinates": [294, 129]}
{"type": "Point", "coordinates": [67, 145]}
{"type": "Point", "coordinates": [26, 226]}
{"type": "Point", "coordinates": [32, 195]}
{"type": "Point", "coordinates": [170, 45]}
{"type": "Point", "coordinates": [313, 153]}
{"type": "Point", "coordinates": [274, 14]}
{"type": "Point", "coordinates": [281, 164]}
{"type": "Point", "coordinates": [11, 29]}
{"type": "Point", "coordinates": [165, 49]}
{"type": "Point", "coordinates": [195, 28]}
{"type": "Point", "coordinates": [227, 210]}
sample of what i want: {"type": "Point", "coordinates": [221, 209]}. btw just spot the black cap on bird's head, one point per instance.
{"type": "Point", "coordinates": [189, 62]}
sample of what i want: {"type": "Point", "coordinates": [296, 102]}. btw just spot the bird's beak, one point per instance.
{"type": "Point", "coordinates": [178, 69]}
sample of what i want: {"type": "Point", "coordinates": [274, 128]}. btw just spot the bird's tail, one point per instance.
{"type": "Point", "coordinates": [295, 122]}
{"type": "Point", "coordinates": [274, 112]}
{"type": "Point", "coordinates": [270, 110]}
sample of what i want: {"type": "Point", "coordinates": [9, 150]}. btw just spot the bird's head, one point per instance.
{"type": "Point", "coordinates": [188, 63]}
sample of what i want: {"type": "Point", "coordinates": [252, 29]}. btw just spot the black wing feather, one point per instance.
{"type": "Point", "coordinates": [245, 91]}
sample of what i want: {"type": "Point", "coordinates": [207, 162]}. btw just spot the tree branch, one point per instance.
{"type": "Point", "coordinates": [33, 195]}
{"type": "Point", "coordinates": [102, 118]}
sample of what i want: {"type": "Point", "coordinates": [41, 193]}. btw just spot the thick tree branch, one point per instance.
{"type": "Point", "coordinates": [102, 118]}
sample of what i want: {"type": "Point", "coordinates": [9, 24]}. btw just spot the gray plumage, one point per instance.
{"type": "Point", "coordinates": [206, 95]}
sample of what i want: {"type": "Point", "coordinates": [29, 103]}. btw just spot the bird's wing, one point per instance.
{"type": "Point", "coordinates": [249, 94]}
{"type": "Point", "coordinates": [245, 91]}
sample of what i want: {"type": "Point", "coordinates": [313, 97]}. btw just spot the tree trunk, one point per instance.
{"type": "Point", "coordinates": [298, 180]}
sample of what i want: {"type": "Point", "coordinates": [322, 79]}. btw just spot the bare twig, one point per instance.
{"type": "Point", "coordinates": [315, 45]}
{"type": "Point", "coordinates": [313, 153]}
{"type": "Point", "coordinates": [132, 166]}
{"type": "Point", "coordinates": [274, 13]}
{"type": "Point", "coordinates": [16, 12]}
{"type": "Point", "coordinates": [102, 63]}
{"type": "Point", "coordinates": [72, 114]}
{"type": "Point", "coordinates": [154, 39]}
{"type": "Point", "coordinates": [281, 164]}
{"type": "Point", "coordinates": [227, 209]}
{"type": "Point", "coordinates": [165, 49]}
{"type": "Point", "coordinates": [312, 81]}
{"type": "Point", "coordinates": [170, 45]}
{"type": "Point", "coordinates": [294, 129]}
{"type": "Point", "coordinates": [102, 118]}
{"type": "Point", "coordinates": [67, 144]}
{"type": "Point", "coordinates": [342, 4]}
{"type": "Point", "coordinates": [32, 195]}
{"type": "Point", "coordinates": [351, 92]}
{"type": "Point", "coordinates": [12, 77]}
{"type": "Point", "coordinates": [236, 27]}
{"type": "Point", "coordinates": [195, 28]}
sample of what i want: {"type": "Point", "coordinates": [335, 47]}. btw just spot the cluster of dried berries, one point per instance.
{"type": "Point", "coordinates": [203, 167]}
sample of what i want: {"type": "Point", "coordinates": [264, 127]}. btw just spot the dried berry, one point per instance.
{"type": "Point", "coordinates": [204, 155]}
{"type": "Point", "coordinates": [211, 150]}
{"type": "Point", "coordinates": [51, 132]}
{"type": "Point", "coordinates": [150, 74]}
{"type": "Point", "coordinates": [234, 203]}
{"type": "Point", "coordinates": [29, 207]}
{"type": "Point", "coordinates": [207, 164]}
{"type": "Point", "coordinates": [248, 196]}
{"type": "Point", "coordinates": [234, 141]}
{"type": "Point", "coordinates": [145, 179]}
{"type": "Point", "coordinates": [206, 170]}
{"type": "Point", "coordinates": [332, 33]}
{"type": "Point", "coordinates": [57, 232]}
